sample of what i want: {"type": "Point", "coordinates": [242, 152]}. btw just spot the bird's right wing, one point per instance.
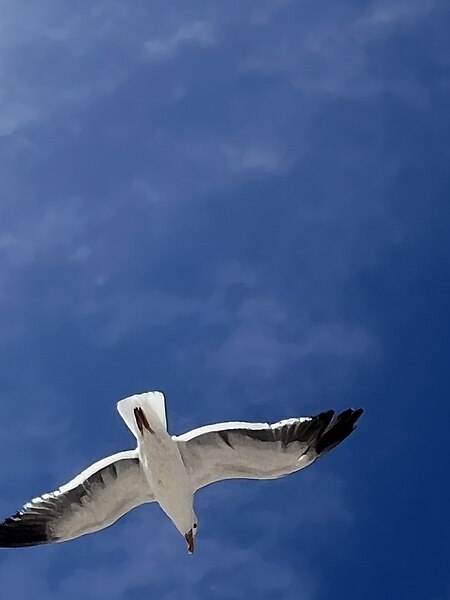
{"type": "Point", "coordinates": [260, 450]}
{"type": "Point", "coordinates": [91, 501]}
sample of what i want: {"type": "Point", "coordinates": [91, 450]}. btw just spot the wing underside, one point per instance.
{"type": "Point", "coordinates": [259, 450]}
{"type": "Point", "coordinates": [92, 501]}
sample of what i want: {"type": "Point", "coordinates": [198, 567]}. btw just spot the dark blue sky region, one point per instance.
{"type": "Point", "coordinates": [245, 205]}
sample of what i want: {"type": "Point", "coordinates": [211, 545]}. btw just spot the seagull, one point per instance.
{"type": "Point", "coordinates": [170, 469]}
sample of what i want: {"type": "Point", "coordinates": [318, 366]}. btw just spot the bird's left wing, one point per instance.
{"type": "Point", "coordinates": [91, 501]}
{"type": "Point", "coordinates": [260, 450]}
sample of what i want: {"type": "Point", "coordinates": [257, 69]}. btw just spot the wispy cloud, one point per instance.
{"type": "Point", "coordinates": [98, 46]}
{"type": "Point", "coordinates": [198, 33]}
{"type": "Point", "coordinates": [262, 340]}
{"type": "Point", "coordinates": [330, 53]}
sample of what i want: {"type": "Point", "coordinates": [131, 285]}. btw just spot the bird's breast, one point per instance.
{"type": "Point", "coordinates": [165, 470]}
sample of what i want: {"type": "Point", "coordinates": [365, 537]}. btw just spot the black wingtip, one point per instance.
{"type": "Point", "coordinates": [18, 532]}
{"type": "Point", "coordinates": [339, 428]}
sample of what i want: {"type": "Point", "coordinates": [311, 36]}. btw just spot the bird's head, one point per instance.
{"type": "Point", "coordinates": [187, 524]}
{"type": "Point", "coordinates": [190, 536]}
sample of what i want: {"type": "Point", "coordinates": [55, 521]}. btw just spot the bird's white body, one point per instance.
{"type": "Point", "coordinates": [165, 471]}
{"type": "Point", "coordinates": [160, 458]}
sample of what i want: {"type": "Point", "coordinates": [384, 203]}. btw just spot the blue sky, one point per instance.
{"type": "Point", "coordinates": [244, 205]}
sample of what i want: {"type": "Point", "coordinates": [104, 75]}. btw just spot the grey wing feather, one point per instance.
{"type": "Point", "coordinates": [259, 450]}
{"type": "Point", "coordinates": [93, 500]}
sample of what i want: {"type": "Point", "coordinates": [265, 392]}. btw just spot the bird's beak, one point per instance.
{"type": "Point", "coordinates": [189, 537]}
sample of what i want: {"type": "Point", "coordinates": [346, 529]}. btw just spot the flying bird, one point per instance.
{"type": "Point", "coordinates": [170, 469]}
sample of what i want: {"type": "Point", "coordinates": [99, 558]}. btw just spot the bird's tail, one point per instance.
{"type": "Point", "coordinates": [148, 409]}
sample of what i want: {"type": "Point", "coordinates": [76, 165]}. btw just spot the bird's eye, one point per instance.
{"type": "Point", "coordinates": [195, 525]}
